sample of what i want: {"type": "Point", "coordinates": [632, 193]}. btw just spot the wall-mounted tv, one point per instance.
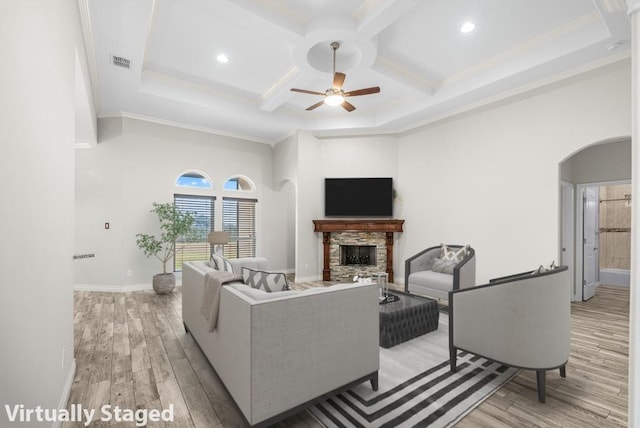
{"type": "Point", "coordinates": [358, 197]}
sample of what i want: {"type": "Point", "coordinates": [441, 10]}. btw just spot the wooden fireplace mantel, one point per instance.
{"type": "Point", "coordinates": [389, 226]}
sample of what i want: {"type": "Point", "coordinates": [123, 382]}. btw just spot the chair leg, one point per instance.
{"type": "Point", "coordinates": [563, 371]}
{"type": "Point", "coordinates": [541, 380]}
{"type": "Point", "coordinates": [374, 382]}
{"type": "Point", "coordinates": [453, 359]}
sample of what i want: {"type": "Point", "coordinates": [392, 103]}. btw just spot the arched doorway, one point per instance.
{"type": "Point", "coordinates": [582, 175]}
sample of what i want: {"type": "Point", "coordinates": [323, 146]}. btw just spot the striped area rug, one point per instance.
{"type": "Point", "coordinates": [419, 396]}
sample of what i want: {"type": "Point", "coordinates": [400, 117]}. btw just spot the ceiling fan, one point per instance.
{"type": "Point", "coordinates": [335, 95]}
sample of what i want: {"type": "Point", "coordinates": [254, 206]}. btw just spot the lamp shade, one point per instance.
{"type": "Point", "coordinates": [218, 238]}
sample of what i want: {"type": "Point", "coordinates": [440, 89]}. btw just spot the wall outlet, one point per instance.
{"type": "Point", "coordinates": [62, 357]}
{"type": "Point", "coordinates": [129, 273]}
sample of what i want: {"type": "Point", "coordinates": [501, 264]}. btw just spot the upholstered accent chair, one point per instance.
{"type": "Point", "coordinates": [520, 321]}
{"type": "Point", "coordinates": [427, 274]}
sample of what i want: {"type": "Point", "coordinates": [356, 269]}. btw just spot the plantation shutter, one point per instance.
{"type": "Point", "coordinates": [239, 219]}
{"type": "Point", "coordinates": [194, 246]}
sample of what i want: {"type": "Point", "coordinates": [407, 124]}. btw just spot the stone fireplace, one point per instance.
{"type": "Point", "coordinates": [357, 247]}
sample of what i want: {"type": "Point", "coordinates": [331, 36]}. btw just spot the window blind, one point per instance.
{"type": "Point", "coordinates": [195, 245]}
{"type": "Point", "coordinates": [239, 219]}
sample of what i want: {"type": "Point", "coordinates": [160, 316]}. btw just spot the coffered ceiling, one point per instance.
{"type": "Point", "coordinates": [413, 50]}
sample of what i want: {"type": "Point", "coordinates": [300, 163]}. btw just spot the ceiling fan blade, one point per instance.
{"type": "Point", "coordinates": [304, 91]}
{"type": "Point", "coordinates": [315, 105]}
{"type": "Point", "coordinates": [348, 106]}
{"type": "Point", "coordinates": [338, 80]}
{"type": "Point", "coordinates": [365, 91]}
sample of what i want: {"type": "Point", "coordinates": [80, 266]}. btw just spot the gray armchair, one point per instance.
{"type": "Point", "coordinates": [419, 278]}
{"type": "Point", "coordinates": [520, 320]}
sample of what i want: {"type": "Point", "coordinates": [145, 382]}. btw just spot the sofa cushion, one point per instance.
{"type": "Point", "coordinates": [443, 266]}
{"type": "Point", "coordinates": [431, 279]}
{"type": "Point", "coordinates": [267, 281]}
{"type": "Point", "coordinates": [258, 294]}
{"type": "Point", "coordinates": [256, 263]}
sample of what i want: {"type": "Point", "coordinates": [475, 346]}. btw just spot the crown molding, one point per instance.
{"type": "Point", "coordinates": [523, 89]}
{"type": "Point", "coordinates": [190, 127]}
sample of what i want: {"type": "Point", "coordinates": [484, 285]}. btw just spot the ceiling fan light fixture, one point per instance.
{"type": "Point", "coordinates": [334, 99]}
{"type": "Point", "coordinates": [335, 96]}
{"type": "Point", "coordinates": [467, 27]}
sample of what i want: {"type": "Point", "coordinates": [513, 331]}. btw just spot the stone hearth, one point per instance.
{"type": "Point", "coordinates": [376, 233]}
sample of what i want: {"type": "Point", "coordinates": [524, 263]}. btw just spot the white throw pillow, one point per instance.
{"type": "Point", "coordinates": [221, 263]}
{"type": "Point", "coordinates": [453, 254]}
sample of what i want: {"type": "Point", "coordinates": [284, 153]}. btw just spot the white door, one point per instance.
{"type": "Point", "coordinates": [591, 257]}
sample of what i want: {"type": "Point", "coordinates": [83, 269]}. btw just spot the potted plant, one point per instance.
{"type": "Point", "coordinates": [173, 223]}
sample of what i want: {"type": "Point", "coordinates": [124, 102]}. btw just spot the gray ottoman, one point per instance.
{"type": "Point", "coordinates": [409, 317]}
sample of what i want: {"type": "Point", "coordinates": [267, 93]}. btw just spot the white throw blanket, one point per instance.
{"type": "Point", "coordinates": [213, 282]}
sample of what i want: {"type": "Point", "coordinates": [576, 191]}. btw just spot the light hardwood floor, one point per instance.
{"type": "Point", "coordinates": [131, 350]}
{"type": "Point", "coordinates": [594, 393]}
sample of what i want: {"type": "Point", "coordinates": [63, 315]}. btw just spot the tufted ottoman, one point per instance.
{"type": "Point", "coordinates": [404, 319]}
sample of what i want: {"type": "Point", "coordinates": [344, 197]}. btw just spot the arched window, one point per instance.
{"type": "Point", "coordinates": [239, 218]}
{"type": "Point", "coordinates": [194, 245]}
{"type": "Point", "coordinates": [194, 179]}
{"type": "Point", "coordinates": [239, 182]}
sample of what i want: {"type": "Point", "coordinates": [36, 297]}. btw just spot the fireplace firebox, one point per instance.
{"type": "Point", "coordinates": [351, 255]}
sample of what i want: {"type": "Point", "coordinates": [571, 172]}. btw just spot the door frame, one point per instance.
{"type": "Point", "coordinates": [578, 244]}
{"type": "Point", "coordinates": [566, 249]}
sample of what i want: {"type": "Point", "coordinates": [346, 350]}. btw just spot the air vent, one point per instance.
{"type": "Point", "coordinates": [119, 61]}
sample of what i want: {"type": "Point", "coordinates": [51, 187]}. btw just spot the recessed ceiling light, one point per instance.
{"type": "Point", "coordinates": [222, 58]}
{"type": "Point", "coordinates": [467, 27]}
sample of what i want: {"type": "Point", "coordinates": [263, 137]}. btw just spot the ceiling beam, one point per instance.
{"type": "Point", "coordinates": [375, 15]}
{"type": "Point", "coordinates": [275, 13]}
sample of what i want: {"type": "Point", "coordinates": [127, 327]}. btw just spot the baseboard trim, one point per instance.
{"type": "Point", "coordinates": [112, 288]}
{"type": "Point", "coordinates": [66, 391]}
{"type": "Point", "coordinates": [615, 277]}
{"type": "Point", "coordinates": [308, 279]}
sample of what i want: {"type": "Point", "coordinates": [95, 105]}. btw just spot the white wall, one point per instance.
{"type": "Point", "coordinates": [490, 178]}
{"type": "Point", "coordinates": [309, 207]}
{"type": "Point", "coordinates": [136, 163]}
{"type": "Point", "coordinates": [36, 184]}
{"type": "Point", "coordinates": [285, 179]}
{"type": "Point", "coordinates": [374, 156]}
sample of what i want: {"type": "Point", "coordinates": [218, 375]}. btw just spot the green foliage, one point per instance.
{"type": "Point", "coordinates": [173, 225]}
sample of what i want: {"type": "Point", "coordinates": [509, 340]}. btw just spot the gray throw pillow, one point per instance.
{"type": "Point", "coordinates": [443, 266]}
{"type": "Point", "coordinates": [267, 281]}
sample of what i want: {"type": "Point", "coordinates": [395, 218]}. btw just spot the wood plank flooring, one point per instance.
{"type": "Point", "coordinates": [131, 350]}
{"type": "Point", "coordinates": [594, 393]}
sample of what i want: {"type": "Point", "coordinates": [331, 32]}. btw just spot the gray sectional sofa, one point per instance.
{"type": "Point", "coordinates": [279, 352]}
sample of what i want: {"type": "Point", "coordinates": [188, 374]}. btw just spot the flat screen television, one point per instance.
{"type": "Point", "coordinates": [358, 197]}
